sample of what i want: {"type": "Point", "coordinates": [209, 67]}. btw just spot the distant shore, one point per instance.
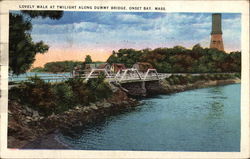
{"type": "Point", "coordinates": [41, 134]}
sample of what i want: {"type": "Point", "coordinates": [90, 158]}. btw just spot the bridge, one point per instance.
{"type": "Point", "coordinates": [126, 75]}
{"type": "Point", "coordinates": [122, 76]}
{"type": "Point", "coordinates": [132, 81]}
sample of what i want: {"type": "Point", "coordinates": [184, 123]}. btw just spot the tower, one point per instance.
{"type": "Point", "coordinates": [216, 33]}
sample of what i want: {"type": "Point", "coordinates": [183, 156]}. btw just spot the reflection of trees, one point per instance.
{"type": "Point", "coordinates": [216, 107]}
{"type": "Point", "coordinates": [216, 91]}
{"type": "Point", "coordinates": [216, 110]}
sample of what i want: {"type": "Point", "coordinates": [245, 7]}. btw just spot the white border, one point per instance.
{"type": "Point", "coordinates": [171, 6]}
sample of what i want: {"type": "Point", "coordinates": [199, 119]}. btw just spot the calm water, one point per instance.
{"type": "Point", "coordinates": [52, 77]}
{"type": "Point", "coordinates": [198, 120]}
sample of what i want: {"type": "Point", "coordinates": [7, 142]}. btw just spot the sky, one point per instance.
{"type": "Point", "coordinates": [78, 34]}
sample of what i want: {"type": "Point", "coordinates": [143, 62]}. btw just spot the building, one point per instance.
{"type": "Point", "coordinates": [96, 65]}
{"type": "Point", "coordinates": [104, 66]}
{"type": "Point", "coordinates": [115, 67]}
{"type": "Point", "coordinates": [142, 66]}
{"type": "Point", "coordinates": [216, 33]}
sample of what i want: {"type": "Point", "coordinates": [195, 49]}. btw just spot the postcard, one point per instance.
{"type": "Point", "coordinates": [124, 79]}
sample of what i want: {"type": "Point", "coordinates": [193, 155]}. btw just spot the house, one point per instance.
{"type": "Point", "coordinates": [115, 67]}
{"type": "Point", "coordinates": [96, 65]}
{"type": "Point", "coordinates": [142, 66]}
{"type": "Point", "coordinates": [104, 66]}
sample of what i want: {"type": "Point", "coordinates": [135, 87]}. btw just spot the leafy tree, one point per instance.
{"type": "Point", "coordinates": [61, 66]}
{"type": "Point", "coordinates": [22, 49]}
{"type": "Point", "coordinates": [37, 69]}
{"type": "Point", "coordinates": [180, 59]}
{"type": "Point", "coordinates": [88, 59]}
{"type": "Point", "coordinates": [125, 56]}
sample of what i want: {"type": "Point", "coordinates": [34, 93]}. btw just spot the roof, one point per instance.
{"type": "Point", "coordinates": [119, 65]}
{"type": "Point", "coordinates": [103, 65]}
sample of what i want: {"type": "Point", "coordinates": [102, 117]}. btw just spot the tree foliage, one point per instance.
{"type": "Point", "coordinates": [22, 48]}
{"type": "Point", "coordinates": [50, 98]}
{"type": "Point", "coordinates": [88, 59]}
{"type": "Point", "coordinates": [180, 59]}
{"type": "Point", "coordinates": [61, 66]}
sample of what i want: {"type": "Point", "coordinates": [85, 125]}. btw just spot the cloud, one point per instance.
{"type": "Point", "coordinates": [133, 30]}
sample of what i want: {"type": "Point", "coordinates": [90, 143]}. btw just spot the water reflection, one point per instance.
{"type": "Point", "coordinates": [216, 110]}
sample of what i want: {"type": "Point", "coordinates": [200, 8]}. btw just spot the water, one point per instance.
{"type": "Point", "coordinates": [198, 120]}
{"type": "Point", "coordinates": [48, 77]}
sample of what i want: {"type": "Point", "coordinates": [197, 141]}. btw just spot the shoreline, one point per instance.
{"type": "Point", "coordinates": [97, 111]}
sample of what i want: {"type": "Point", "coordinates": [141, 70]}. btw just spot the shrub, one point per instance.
{"type": "Point", "coordinates": [237, 75]}
{"type": "Point", "coordinates": [183, 79]}
{"type": "Point", "coordinates": [99, 88]}
{"type": "Point", "coordinates": [64, 97]}
{"type": "Point", "coordinates": [190, 78]}
{"type": "Point", "coordinates": [81, 93]}
{"type": "Point", "coordinates": [36, 94]}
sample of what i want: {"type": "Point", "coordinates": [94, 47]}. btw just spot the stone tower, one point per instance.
{"type": "Point", "coordinates": [216, 33]}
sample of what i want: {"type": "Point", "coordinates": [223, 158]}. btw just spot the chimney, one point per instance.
{"type": "Point", "coordinates": [216, 33]}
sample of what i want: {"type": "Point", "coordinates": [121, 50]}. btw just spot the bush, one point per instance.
{"type": "Point", "coordinates": [183, 79]}
{"type": "Point", "coordinates": [82, 95]}
{"type": "Point", "coordinates": [64, 97]}
{"type": "Point", "coordinates": [238, 75]}
{"type": "Point", "coordinates": [190, 79]}
{"type": "Point", "coordinates": [36, 94]}
{"type": "Point", "coordinates": [99, 88]}
{"type": "Point", "coordinates": [50, 98]}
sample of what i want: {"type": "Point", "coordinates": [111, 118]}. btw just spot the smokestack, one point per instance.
{"type": "Point", "coordinates": [216, 33]}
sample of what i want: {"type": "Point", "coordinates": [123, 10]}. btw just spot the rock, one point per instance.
{"type": "Point", "coordinates": [106, 105]}
{"type": "Point", "coordinates": [29, 109]}
{"type": "Point", "coordinates": [133, 100]}
{"type": "Point", "coordinates": [94, 107]}
{"type": "Point", "coordinates": [77, 107]}
{"type": "Point", "coordinates": [24, 111]}
{"type": "Point", "coordinates": [35, 119]}
{"type": "Point", "coordinates": [28, 117]}
{"type": "Point", "coordinates": [80, 123]}
{"type": "Point", "coordinates": [28, 120]}
{"type": "Point", "coordinates": [125, 102]}
{"type": "Point", "coordinates": [35, 114]}
{"type": "Point", "coordinates": [98, 104]}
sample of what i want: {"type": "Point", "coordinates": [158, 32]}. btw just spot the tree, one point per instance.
{"type": "Point", "coordinates": [22, 49]}
{"type": "Point", "coordinates": [180, 59]}
{"type": "Point", "coordinates": [88, 59]}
